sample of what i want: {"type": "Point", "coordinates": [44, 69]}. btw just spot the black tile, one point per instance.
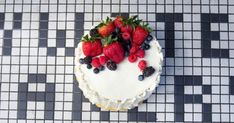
{"type": "Point", "coordinates": [134, 110]}
{"type": "Point", "coordinates": [151, 116]}
{"type": "Point", "coordinates": [41, 78]}
{"type": "Point", "coordinates": [197, 98]}
{"type": "Point", "coordinates": [205, 17]}
{"type": "Point", "coordinates": [169, 35]}
{"type": "Point", "coordinates": [170, 26]}
{"type": "Point", "coordinates": [32, 78]}
{"type": "Point", "coordinates": [23, 87]}
{"type": "Point", "coordinates": [95, 108]}
{"type": "Point", "coordinates": [188, 80]}
{"type": "Point", "coordinates": [40, 96]}
{"type": "Point", "coordinates": [17, 25]}
{"type": "Point", "coordinates": [7, 33]}
{"type": "Point", "coordinates": [169, 44]}
{"type": "Point", "coordinates": [84, 99]}
{"type": "Point", "coordinates": [205, 26]}
{"type": "Point", "coordinates": [214, 18]}
{"type": "Point", "coordinates": [21, 114]}
{"type": "Point", "coordinates": [22, 96]}
{"type": "Point", "coordinates": [124, 15]}
{"type": "Point", "coordinates": [179, 108]}
{"type": "Point", "coordinates": [169, 52]}
{"type": "Point", "coordinates": [141, 116]}
{"type": "Point", "coordinates": [17, 16]}
{"type": "Point", "coordinates": [44, 16]}
{"type": "Point", "coordinates": [60, 42]}
{"type": "Point", "coordinates": [160, 17]}
{"type": "Point", "coordinates": [49, 106]}
{"type": "Point", "coordinates": [70, 51]}
{"type": "Point", "coordinates": [50, 96]}
{"type": "Point", "coordinates": [76, 116]}
{"type": "Point", "coordinates": [51, 51]}
{"type": "Point", "coordinates": [79, 17]}
{"type": "Point", "coordinates": [31, 96]}
{"type": "Point", "coordinates": [223, 18]}
{"type": "Point", "coordinates": [188, 98]}
{"type": "Point", "coordinates": [43, 42]}
{"type": "Point", "coordinates": [206, 117]}
{"type": "Point", "coordinates": [179, 99]}
{"type": "Point", "coordinates": [6, 51]}
{"type": "Point", "coordinates": [2, 16]}
{"type": "Point", "coordinates": [215, 53]}
{"type": "Point", "coordinates": [206, 44]}
{"type": "Point", "coordinates": [79, 26]}
{"type": "Point", "coordinates": [7, 42]}
{"type": "Point", "coordinates": [179, 117]}
{"type": "Point", "coordinates": [231, 85]}
{"type": "Point", "coordinates": [197, 80]}
{"type": "Point", "coordinates": [77, 102]}
{"type": "Point", "coordinates": [206, 53]}
{"type": "Point", "coordinates": [206, 89]}
{"type": "Point", "coordinates": [169, 17]}
{"type": "Point", "coordinates": [43, 33]}
{"type": "Point", "coordinates": [76, 88]}
{"type": "Point", "coordinates": [61, 34]}
{"type": "Point", "coordinates": [50, 87]}
{"type": "Point", "coordinates": [104, 116]}
{"type": "Point", "coordinates": [1, 24]}
{"type": "Point", "coordinates": [43, 25]}
{"type": "Point", "coordinates": [206, 35]}
{"type": "Point", "coordinates": [132, 116]}
{"type": "Point", "coordinates": [178, 17]}
{"type": "Point", "coordinates": [206, 108]}
{"type": "Point", "coordinates": [224, 53]}
{"type": "Point", "coordinates": [179, 80]}
{"type": "Point", "coordinates": [179, 89]}
{"type": "Point", "coordinates": [215, 35]}
{"type": "Point", "coordinates": [49, 115]}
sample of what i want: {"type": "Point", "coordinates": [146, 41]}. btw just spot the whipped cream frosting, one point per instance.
{"type": "Point", "coordinates": [119, 89]}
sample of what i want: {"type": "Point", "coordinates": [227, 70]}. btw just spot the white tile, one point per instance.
{"type": "Point", "coordinates": [4, 105]}
{"type": "Point", "coordinates": [206, 98]}
{"type": "Point", "coordinates": [41, 87]}
{"type": "Point", "coordinates": [225, 99]}
{"type": "Point", "coordinates": [123, 116]}
{"type": "Point", "coordinates": [60, 51]}
{"type": "Point", "coordinates": [68, 97]}
{"type": "Point", "coordinates": [60, 78]}
{"type": "Point", "coordinates": [60, 69]}
{"type": "Point", "coordinates": [160, 107]}
{"type": "Point", "coordinates": [67, 115]}
{"type": "Point", "coordinates": [68, 106]}
{"type": "Point", "coordinates": [85, 115]}
{"type": "Point", "coordinates": [50, 60]}
{"type": "Point", "coordinates": [215, 117]}
{"type": "Point", "coordinates": [50, 69]}
{"type": "Point", "coordinates": [96, 116]}
{"type": "Point", "coordinates": [58, 114]}
{"type": "Point", "coordinates": [170, 116]}
{"type": "Point", "coordinates": [161, 116]}
{"type": "Point", "coordinates": [68, 87]}
{"type": "Point", "coordinates": [58, 96]}
{"type": "Point", "coordinates": [59, 105]}
{"type": "Point", "coordinates": [188, 117]}
{"type": "Point", "coordinates": [31, 114]}
{"type": "Point", "coordinates": [60, 60]}
{"type": "Point", "coordinates": [114, 116]}
{"type": "Point", "coordinates": [142, 107]}
{"type": "Point", "coordinates": [40, 105]}
{"type": "Point", "coordinates": [215, 98]}
{"type": "Point", "coordinates": [69, 79]}
{"type": "Point", "coordinates": [31, 105]}
{"type": "Point", "coordinates": [188, 90]}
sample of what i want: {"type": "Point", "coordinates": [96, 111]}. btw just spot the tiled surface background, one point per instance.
{"type": "Point", "coordinates": [37, 41]}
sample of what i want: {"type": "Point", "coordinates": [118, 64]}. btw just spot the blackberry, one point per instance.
{"type": "Point", "coordinates": [93, 32]}
{"type": "Point", "coordinates": [89, 66]}
{"type": "Point", "coordinates": [101, 68]}
{"type": "Point", "coordinates": [81, 60]}
{"type": "Point", "coordinates": [111, 65]}
{"type": "Point", "coordinates": [148, 71]}
{"type": "Point", "coordinates": [141, 77]}
{"type": "Point", "coordinates": [146, 46]}
{"type": "Point", "coordinates": [149, 38]}
{"type": "Point", "coordinates": [87, 59]}
{"type": "Point", "coordinates": [96, 70]}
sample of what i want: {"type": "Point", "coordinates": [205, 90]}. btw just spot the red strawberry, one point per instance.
{"type": "Point", "coordinates": [95, 62]}
{"type": "Point", "coordinates": [113, 49]}
{"type": "Point", "coordinates": [126, 36]}
{"type": "Point", "coordinates": [126, 28]}
{"type": "Point", "coordinates": [118, 21]}
{"type": "Point", "coordinates": [140, 53]}
{"type": "Point", "coordinates": [103, 60]}
{"type": "Point", "coordinates": [142, 65]}
{"type": "Point", "coordinates": [91, 46]}
{"type": "Point", "coordinates": [139, 34]}
{"type": "Point", "coordinates": [106, 28]}
{"type": "Point", "coordinates": [134, 49]}
{"type": "Point", "coordinates": [132, 58]}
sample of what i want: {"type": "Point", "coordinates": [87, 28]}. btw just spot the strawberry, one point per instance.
{"type": "Point", "coordinates": [140, 33]}
{"type": "Point", "coordinates": [91, 46]}
{"type": "Point", "coordinates": [132, 58]}
{"type": "Point", "coordinates": [140, 53]}
{"type": "Point", "coordinates": [142, 65]}
{"type": "Point", "coordinates": [106, 28]}
{"type": "Point", "coordinates": [134, 49]}
{"type": "Point", "coordinates": [126, 36]}
{"type": "Point", "coordinates": [118, 21]}
{"type": "Point", "coordinates": [126, 28]}
{"type": "Point", "coordinates": [113, 49]}
{"type": "Point", "coordinates": [103, 60]}
{"type": "Point", "coordinates": [95, 62]}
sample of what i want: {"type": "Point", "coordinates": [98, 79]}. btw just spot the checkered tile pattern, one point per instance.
{"type": "Point", "coordinates": [37, 42]}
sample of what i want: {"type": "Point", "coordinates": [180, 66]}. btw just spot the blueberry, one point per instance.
{"type": "Point", "coordinates": [148, 71]}
{"type": "Point", "coordinates": [146, 47]}
{"type": "Point", "coordinates": [89, 66]}
{"type": "Point", "coordinates": [141, 77]}
{"type": "Point", "coordinates": [96, 70]}
{"type": "Point", "coordinates": [117, 30]}
{"type": "Point", "coordinates": [87, 59]}
{"type": "Point", "coordinates": [111, 65]}
{"type": "Point", "coordinates": [101, 68]}
{"type": "Point", "coordinates": [149, 38]}
{"type": "Point", "coordinates": [81, 61]}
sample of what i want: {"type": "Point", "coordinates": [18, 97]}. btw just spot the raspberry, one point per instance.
{"type": "Point", "coordinates": [95, 62]}
{"type": "Point", "coordinates": [134, 49]}
{"type": "Point", "coordinates": [126, 36]}
{"type": "Point", "coordinates": [142, 65]}
{"type": "Point", "coordinates": [132, 58]}
{"type": "Point", "coordinates": [103, 60]}
{"type": "Point", "coordinates": [140, 53]}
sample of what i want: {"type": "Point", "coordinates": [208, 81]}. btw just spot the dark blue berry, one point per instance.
{"type": "Point", "coordinates": [111, 65]}
{"type": "Point", "coordinates": [149, 38]}
{"type": "Point", "coordinates": [148, 71]}
{"type": "Point", "coordinates": [96, 70]}
{"type": "Point", "coordinates": [127, 53]}
{"type": "Point", "coordinates": [89, 66]}
{"type": "Point", "coordinates": [81, 61]}
{"type": "Point", "coordinates": [87, 60]}
{"type": "Point", "coordinates": [146, 47]}
{"type": "Point", "coordinates": [140, 77]}
{"type": "Point", "coordinates": [101, 68]}
{"type": "Point", "coordinates": [117, 30]}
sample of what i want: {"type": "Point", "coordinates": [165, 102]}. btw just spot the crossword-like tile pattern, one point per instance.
{"type": "Point", "coordinates": [38, 40]}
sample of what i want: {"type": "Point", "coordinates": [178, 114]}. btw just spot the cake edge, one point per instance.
{"type": "Point", "coordinates": [116, 105]}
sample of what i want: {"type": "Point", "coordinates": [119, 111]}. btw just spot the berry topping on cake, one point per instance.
{"type": "Point", "coordinates": [111, 65]}
{"type": "Point", "coordinates": [140, 34]}
{"type": "Point", "coordinates": [113, 49]}
{"type": "Point", "coordinates": [89, 66]}
{"type": "Point", "coordinates": [87, 60]}
{"type": "Point", "coordinates": [106, 28]}
{"type": "Point", "coordinates": [92, 46]}
{"type": "Point", "coordinates": [140, 53]}
{"type": "Point", "coordinates": [148, 71]}
{"type": "Point", "coordinates": [126, 36]}
{"type": "Point", "coordinates": [81, 60]}
{"type": "Point", "coordinates": [118, 21]}
{"type": "Point", "coordinates": [101, 68]}
{"type": "Point", "coordinates": [103, 60]}
{"type": "Point", "coordinates": [142, 65]}
{"type": "Point", "coordinates": [132, 58]}
{"type": "Point", "coordinates": [95, 62]}
{"type": "Point", "coordinates": [141, 77]}
{"type": "Point", "coordinates": [96, 70]}
{"type": "Point", "coordinates": [134, 49]}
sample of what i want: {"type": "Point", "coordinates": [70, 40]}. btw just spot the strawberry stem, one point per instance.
{"type": "Point", "coordinates": [108, 40]}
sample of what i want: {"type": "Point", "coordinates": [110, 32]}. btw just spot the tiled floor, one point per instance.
{"type": "Point", "coordinates": [37, 42]}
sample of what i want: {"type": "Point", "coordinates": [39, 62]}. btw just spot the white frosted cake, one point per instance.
{"type": "Point", "coordinates": [125, 86]}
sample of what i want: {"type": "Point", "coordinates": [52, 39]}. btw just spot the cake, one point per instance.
{"type": "Point", "coordinates": [118, 65]}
